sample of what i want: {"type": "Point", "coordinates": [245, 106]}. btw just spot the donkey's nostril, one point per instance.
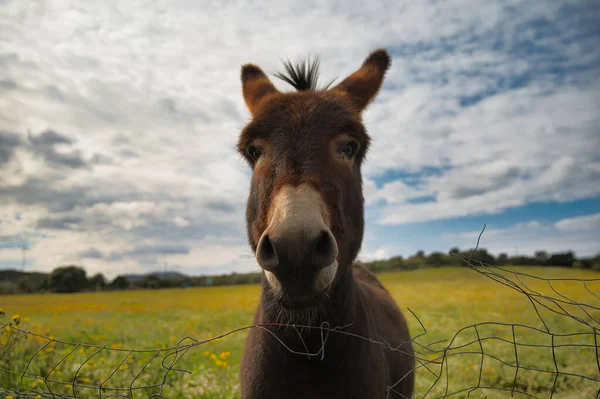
{"type": "Point", "coordinates": [325, 250]}
{"type": "Point", "coordinates": [266, 255]}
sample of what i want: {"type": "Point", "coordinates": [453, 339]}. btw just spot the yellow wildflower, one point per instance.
{"type": "Point", "coordinates": [16, 319]}
{"type": "Point", "coordinates": [213, 356]}
{"type": "Point", "coordinates": [224, 355]}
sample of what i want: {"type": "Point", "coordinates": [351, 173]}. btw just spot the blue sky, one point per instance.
{"type": "Point", "coordinates": [118, 125]}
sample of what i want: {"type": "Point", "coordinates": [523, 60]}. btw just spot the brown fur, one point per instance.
{"type": "Point", "coordinates": [299, 135]}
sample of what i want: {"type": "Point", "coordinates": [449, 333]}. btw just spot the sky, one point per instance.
{"type": "Point", "coordinates": [119, 120]}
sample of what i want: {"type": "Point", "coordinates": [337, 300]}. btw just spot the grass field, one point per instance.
{"type": "Point", "coordinates": [445, 300]}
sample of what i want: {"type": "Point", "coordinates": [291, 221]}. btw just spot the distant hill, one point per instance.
{"type": "Point", "coordinates": [15, 281]}
{"type": "Point", "coordinates": [15, 275]}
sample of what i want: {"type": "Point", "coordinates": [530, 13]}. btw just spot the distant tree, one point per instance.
{"type": "Point", "coordinates": [454, 250]}
{"type": "Point", "coordinates": [32, 282]}
{"type": "Point", "coordinates": [478, 257]}
{"type": "Point", "coordinates": [485, 257]}
{"type": "Point", "coordinates": [97, 282]}
{"type": "Point", "coordinates": [175, 282]}
{"type": "Point", "coordinates": [437, 259]}
{"type": "Point", "coordinates": [584, 263]}
{"type": "Point", "coordinates": [413, 262]}
{"type": "Point", "coordinates": [68, 279]}
{"type": "Point", "coordinates": [541, 257]}
{"type": "Point", "coordinates": [396, 262]}
{"type": "Point", "coordinates": [595, 262]}
{"type": "Point", "coordinates": [376, 266]}
{"type": "Point", "coordinates": [25, 285]}
{"type": "Point", "coordinates": [561, 259]}
{"type": "Point", "coordinates": [489, 257]}
{"type": "Point", "coordinates": [522, 261]}
{"type": "Point", "coordinates": [8, 287]}
{"type": "Point", "coordinates": [120, 283]}
{"type": "Point", "coordinates": [150, 281]}
{"type": "Point", "coordinates": [420, 254]}
{"type": "Point", "coordinates": [502, 259]}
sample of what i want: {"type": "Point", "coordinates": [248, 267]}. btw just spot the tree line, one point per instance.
{"type": "Point", "coordinates": [456, 257]}
{"type": "Point", "coordinates": [73, 278]}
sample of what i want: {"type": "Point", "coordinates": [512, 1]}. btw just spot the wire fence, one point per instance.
{"type": "Point", "coordinates": [532, 360]}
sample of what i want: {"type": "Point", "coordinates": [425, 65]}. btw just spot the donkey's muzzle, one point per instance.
{"type": "Point", "coordinates": [297, 250]}
{"type": "Point", "coordinates": [291, 256]}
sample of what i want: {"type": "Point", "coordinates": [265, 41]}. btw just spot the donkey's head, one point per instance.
{"type": "Point", "coordinates": [305, 209]}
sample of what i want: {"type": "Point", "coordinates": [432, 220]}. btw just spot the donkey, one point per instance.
{"type": "Point", "coordinates": [305, 222]}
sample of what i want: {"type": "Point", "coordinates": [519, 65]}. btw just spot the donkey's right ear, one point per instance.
{"type": "Point", "coordinates": [256, 86]}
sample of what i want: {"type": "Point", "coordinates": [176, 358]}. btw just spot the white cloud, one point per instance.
{"type": "Point", "coordinates": [586, 222]}
{"type": "Point", "coordinates": [393, 192]}
{"type": "Point", "coordinates": [502, 156]}
{"type": "Point", "coordinates": [379, 253]}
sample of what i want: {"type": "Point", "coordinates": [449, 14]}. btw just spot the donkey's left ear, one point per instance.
{"type": "Point", "coordinates": [256, 86]}
{"type": "Point", "coordinates": [362, 86]}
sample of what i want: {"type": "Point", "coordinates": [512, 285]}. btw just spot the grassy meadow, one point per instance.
{"type": "Point", "coordinates": [101, 330]}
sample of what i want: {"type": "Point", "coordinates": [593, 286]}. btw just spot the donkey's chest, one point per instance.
{"type": "Point", "coordinates": [340, 374]}
{"type": "Point", "coordinates": [312, 383]}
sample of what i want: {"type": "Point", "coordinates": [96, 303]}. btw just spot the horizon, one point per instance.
{"type": "Point", "coordinates": [167, 270]}
{"type": "Point", "coordinates": [118, 133]}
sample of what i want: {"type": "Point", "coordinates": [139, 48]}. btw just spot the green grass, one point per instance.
{"type": "Point", "coordinates": [445, 301]}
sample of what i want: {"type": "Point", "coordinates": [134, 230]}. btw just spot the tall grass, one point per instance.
{"type": "Point", "coordinates": [445, 300]}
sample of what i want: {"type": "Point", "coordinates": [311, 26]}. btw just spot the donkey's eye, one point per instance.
{"type": "Point", "coordinates": [253, 152]}
{"type": "Point", "coordinates": [349, 149]}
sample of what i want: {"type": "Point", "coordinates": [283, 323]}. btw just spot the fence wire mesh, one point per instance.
{"type": "Point", "coordinates": [497, 359]}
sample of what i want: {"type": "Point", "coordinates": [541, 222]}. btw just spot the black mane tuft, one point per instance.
{"type": "Point", "coordinates": [302, 75]}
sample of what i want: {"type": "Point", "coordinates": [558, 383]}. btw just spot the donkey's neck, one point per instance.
{"type": "Point", "coordinates": [342, 309]}
{"type": "Point", "coordinates": [322, 354]}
